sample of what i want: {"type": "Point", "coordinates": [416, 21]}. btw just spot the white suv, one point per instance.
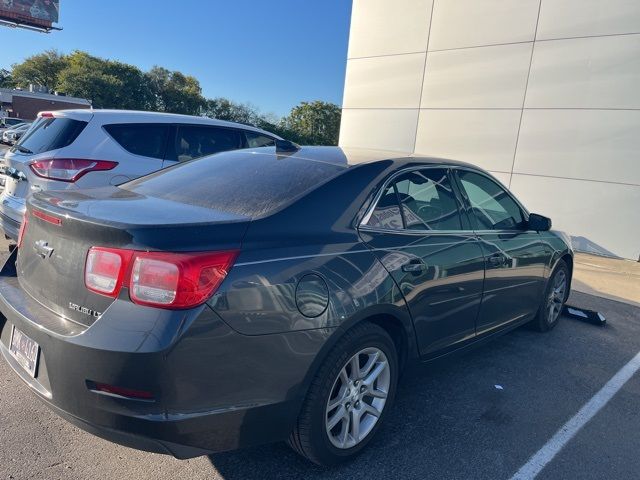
{"type": "Point", "coordinates": [72, 149]}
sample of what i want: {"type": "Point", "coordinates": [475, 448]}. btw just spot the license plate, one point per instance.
{"type": "Point", "coordinates": [25, 351]}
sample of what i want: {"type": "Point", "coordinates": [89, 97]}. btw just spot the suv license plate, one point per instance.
{"type": "Point", "coordinates": [25, 351]}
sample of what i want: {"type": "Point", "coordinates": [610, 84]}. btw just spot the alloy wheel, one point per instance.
{"type": "Point", "coordinates": [556, 297]}
{"type": "Point", "coordinates": [357, 398]}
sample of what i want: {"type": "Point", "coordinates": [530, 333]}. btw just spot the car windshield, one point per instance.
{"type": "Point", "coordinates": [248, 184]}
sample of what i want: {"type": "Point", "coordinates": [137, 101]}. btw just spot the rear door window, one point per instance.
{"type": "Point", "coordinates": [255, 140]}
{"type": "Point", "coordinates": [195, 141]}
{"type": "Point", "coordinates": [145, 139]}
{"type": "Point", "coordinates": [418, 200]}
{"type": "Point", "coordinates": [50, 133]}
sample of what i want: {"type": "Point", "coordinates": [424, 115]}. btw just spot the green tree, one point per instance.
{"type": "Point", "coordinates": [42, 69]}
{"type": "Point", "coordinates": [6, 80]}
{"type": "Point", "coordinates": [174, 92]}
{"type": "Point", "coordinates": [113, 84]}
{"type": "Point", "coordinates": [107, 83]}
{"type": "Point", "coordinates": [224, 109]}
{"type": "Point", "coordinates": [313, 123]}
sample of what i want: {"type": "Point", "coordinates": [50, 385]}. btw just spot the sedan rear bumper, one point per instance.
{"type": "Point", "coordinates": [214, 389]}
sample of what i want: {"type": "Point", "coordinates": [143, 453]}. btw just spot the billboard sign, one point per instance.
{"type": "Point", "coordinates": [39, 14]}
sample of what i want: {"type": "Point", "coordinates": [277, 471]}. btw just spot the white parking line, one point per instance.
{"type": "Point", "coordinates": [538, 461]}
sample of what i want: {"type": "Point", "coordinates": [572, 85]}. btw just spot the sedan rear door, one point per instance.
{"type": "Point", "coordinates": [420, 235]}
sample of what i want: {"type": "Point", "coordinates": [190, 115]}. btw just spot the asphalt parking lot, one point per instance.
{"type": "Point", "coordinates": [479, 415]}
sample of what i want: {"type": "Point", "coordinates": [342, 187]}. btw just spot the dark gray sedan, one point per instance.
{"type": "Point", "coordinates": [265, 295]}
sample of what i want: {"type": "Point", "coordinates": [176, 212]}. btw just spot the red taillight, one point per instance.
{"type": "Point", "coordinates": [159, 279]}
{"type": "Point", "coordinates": [23, 229]}
{"type": "Point", "coordinates": [68, 169]}
{"type": "Point", "coordinates": [45, 115]}
{"type": "Point", "coordinates": [105, 269]}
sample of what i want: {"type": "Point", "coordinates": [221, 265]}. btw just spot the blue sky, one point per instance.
{"type": "Point", "coordinates": [273, 54]}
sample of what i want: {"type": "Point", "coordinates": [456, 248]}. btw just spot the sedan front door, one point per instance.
{"type": "Point", "coordinates": [515, 256]}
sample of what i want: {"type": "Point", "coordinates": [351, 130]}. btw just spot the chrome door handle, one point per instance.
{"type": "Point", "coordinates": [414, 266]}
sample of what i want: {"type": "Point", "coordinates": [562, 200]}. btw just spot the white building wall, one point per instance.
{"type": "Point", "coordinates": [545, 94]}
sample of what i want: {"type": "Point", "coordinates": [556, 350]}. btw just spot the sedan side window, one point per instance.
{"type": "Point", "coordinates": [195, 141]}
{"type": "Point", "coordinates": [492, 207]}
{"type": "Point", "coordinates": [387, 212]}
{"type": "Point", "coordinates": [427, 200]}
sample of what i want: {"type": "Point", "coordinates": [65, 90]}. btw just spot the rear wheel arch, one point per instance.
{"type": "Point", "coordinates": [394, 328]}
{"type": "Point", "coordinates": [399, 329]}
{"type": "Point", "coordinates": [307, 437]}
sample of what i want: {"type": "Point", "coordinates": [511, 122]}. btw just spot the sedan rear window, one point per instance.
{"type": "Point", "coordinates": [248, 184]}
{"type": "Point", "coordinates": [50, 133]}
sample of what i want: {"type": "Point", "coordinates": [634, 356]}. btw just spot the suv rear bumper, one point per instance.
{"type": "Point", "coordinates": [9, 226]}
{"type": "Point", "coordinates": [11, 213]}
{"type": "Point", "coordinates": [214, 389]}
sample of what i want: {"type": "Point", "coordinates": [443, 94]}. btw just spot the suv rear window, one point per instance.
{"type": "Point", "coordinates": [146, 139]}
{"type": "Point", "coordinates": [241, 183]}
{"type": "Point", "coordinates": [49, 133]}
{"type": "Point", "coordinates": [255, 140]}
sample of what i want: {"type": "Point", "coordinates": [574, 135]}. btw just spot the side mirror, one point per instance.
{"type": "Point", "coordinates": [539, 223]}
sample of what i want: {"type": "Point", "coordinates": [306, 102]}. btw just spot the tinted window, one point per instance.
{"type": "Point", "coordinates": [387, 211]}
{"type": "Point", "coordinates": [13, 121]}
{"type": "Point", "coordinates": [427, 200]}
{"type": "Point", "coordinates": [51, 133]}
{"type": "Point", "coordinates": [146, 139]}
{"type": "Point", "coordinates": [492, 207]}
{"type": "Point", "coordinates": [195, 141]}
{"type": "Point", "coordinates": [236, 182]}
{"type": "Point", "coordinates": [255, 140]}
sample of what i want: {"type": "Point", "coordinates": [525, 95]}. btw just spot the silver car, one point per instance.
{"type": "Point", "coordinates": [11, 135]}
{"type": "Point", "coordinates": [74, 149]}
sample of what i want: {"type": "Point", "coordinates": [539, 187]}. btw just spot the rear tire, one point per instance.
{"type": "Point", "coordinates": [555, 295]}
{"type": "Point", "coordinates": [345, 404]}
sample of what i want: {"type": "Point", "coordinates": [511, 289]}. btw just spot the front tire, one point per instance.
{"type": "Point", "coordinates": [349, 397]}
{"type": "Point", "coordinates": [553, 300]}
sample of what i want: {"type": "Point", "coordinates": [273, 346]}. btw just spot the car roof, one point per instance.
{"type": "Point", "coordinates": [349, 157]}
{"type": "Point", "coordinates": [107, 115]}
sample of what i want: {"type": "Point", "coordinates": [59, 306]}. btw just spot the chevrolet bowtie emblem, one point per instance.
{"type": "Point", "coordinates": [42, 248]}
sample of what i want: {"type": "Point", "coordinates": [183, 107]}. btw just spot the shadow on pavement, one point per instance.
{"type": "Point", "coordinates": [477, 415]}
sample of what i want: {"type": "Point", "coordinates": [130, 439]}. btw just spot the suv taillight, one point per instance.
{"type": "Point", "coordinates": [158, 279]}
{"type": "Point", "coordinates": [68, 169]}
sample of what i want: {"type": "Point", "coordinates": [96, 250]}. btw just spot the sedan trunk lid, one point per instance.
{"type": "Point", "coordinates": [62, 227]}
